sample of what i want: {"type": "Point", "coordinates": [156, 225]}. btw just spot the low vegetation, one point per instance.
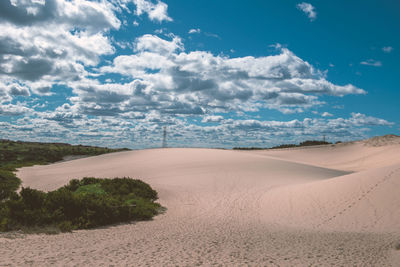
{"type": "Point", "coordinates": [81, 204]}
{"type": "Point", "coordinates": [302, 144]}
{"type": "Point", "coordinates": [16, 154]}
{"type": "Point", "coordinates": [249, 148]}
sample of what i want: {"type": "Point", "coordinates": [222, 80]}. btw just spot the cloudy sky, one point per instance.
{"type": "Point", "coordinates": [247, 73]}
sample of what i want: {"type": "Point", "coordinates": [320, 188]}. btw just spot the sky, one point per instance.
{"type": "Point", "coordinates": [214, 73]}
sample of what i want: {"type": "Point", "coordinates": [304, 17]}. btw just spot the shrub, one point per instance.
{"type": "Point", "coordinates": [9, 183]}
{"type": "Point", "coordinates": [65, 226]}
{"type": "Point", "coordinates": [73, 185]}
{"type": "Point", "coordinates": [33, 199]}
{"type": "Point", "coordinates": [125, 186]}
{"type": "Point", "coordinates": [313, 143]}
{"type": "Point", "coordinates": [81, 204]}
{"type": "Point", "coordinates": [18, 154]}
{"type": "Point", "coordinates": [90, 189]}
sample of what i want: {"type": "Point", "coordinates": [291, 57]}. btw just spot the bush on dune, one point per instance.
{"type": "Point", "coordinates": [305, 143]}
{"type": "Point", "coordinates": [9, 183]}
{"type": "Point", "coordinates": [16, 154]}
{"type": "Point", "coordinates": [81, 204]}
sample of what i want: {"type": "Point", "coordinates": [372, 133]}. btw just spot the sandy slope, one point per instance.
{"type": "Point", "coordinates": [356, 156]}
{"type": "Point", "coordinates": [235, 208]}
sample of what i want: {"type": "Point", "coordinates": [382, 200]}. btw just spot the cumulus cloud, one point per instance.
{"type": "Point", "coordinates": [155, 44]}
{"type": "Point", "coordinates": [371, 62]}
{"type": "Point", "coordinates": [86, 14]}
{"type": "Point", "coordinates": [64, 48]}
{"type": "Point", "coordinates": [157, 11]}
{"type": "Point", "coordinates": [326, 114]}
{"type": "Point", "coordinates": [173, 80]}
{"type": "Point", "coordinates": [387, 49]}
{"type": "Point", "coordinates": [13, 110]}
{"type": "Point", "coordinates": [212, 118]}
{"type": "Point", "coordinates": [146, 129]}
{"type": "Point", "coordinates": [358, 119]}
{"type": "Point", "coordinates": [14, 89]}
{"type": "Point", "coordinates": [308, 9]}
{"type": "Point", "coordinates": [43, 43]}
{"type": "Point", "coordinates": [192, 31]}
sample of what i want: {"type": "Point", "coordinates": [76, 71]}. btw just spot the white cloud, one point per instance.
{"type": "Point", "coordinates": [326, 114]}
{"type": "Point", "coordinates": [192, 31]}
{"type": "Point", "coordinates": [53, 44]}
{"type": "Point", "coordinates": [358, 119]}
{"type": "Point", "coordinates": [371, 62]}
{"type": "Point", "coordinates": [156, 11]}
{"type": "Point", "coordinates": [13, 110]}
{"type": "Point", "coordinates": [12, 89]}
{"type": "Point", "coordinates": [145, 130]}
{"type": "Point", "coordinates": [47, 43]}
{"type": "Point", "coordinates": [152, 43]}
{"type": "Point", "coordinates": [387, 49]}
{"type": "Point", "coordinates": [43, 43]}
{"type": "Point", "coordinates": [308, 9]}
{"type": "Point", "coordinates": [212, 118]}
{"type": "Point", "coordinates": [90, 15]}
{"type": "Point", "coordinates": [200, 82]}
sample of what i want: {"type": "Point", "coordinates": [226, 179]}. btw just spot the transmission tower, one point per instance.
{"type": "Point", "coordinates": [164, 140]}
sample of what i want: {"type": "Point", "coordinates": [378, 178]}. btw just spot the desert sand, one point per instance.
{"type": "Point", "coordinates": [333, 205]}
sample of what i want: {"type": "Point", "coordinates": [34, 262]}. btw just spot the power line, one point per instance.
{"type": "Point", "coordinates": [164, 141]}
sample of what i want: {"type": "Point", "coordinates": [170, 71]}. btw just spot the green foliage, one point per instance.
{"type": "Point", "coordinates": [9, 183]}
{"type": "Point", "coordinates": [82, 204]}
{"type": "Point", "coordinates": [18, 154]}
{"type": "Point", "coordinates": [285, 146]}
{"type": "Point", "coordinates": [65, 226]}
{"type": "Point", "coordinates": [90, 189]}
{"type": "Point", "coordinates": [313, 143]}
{"type": "Point", "coordinates": [305, 143]}
{"type": "Point", "coordinates": [126, 186]}
{"type": "Point", "coordinates": [247, 148]}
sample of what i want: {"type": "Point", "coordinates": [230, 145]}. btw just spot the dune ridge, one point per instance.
{"type": "Point", "coordinates": [330, 205]}
{"type": "Point", "coordinates": [368, 154]}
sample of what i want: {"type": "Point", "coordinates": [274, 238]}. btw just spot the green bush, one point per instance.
{"type": "Point", "coordinates": [82, 204]}
{"type": "Point", "coordinates": [18, 154]}
{"type": "Point", "coordinates": [9, 183]}
{"type": "Point", "coordinates": [65, 226]}
{"type": "Point", "coordinates": [305, 143]}
{"type": "Point", "coordinates": [90, 189]}
{"type": "Point", "coordinates": [125, 186]}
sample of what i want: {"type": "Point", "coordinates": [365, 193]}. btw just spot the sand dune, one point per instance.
{"type": "Point", "coordinates": [355, 156]}
{"type": "Point", "coordinates": [331, 205]}
{"type": "Point", "coordinates": [367, 201]}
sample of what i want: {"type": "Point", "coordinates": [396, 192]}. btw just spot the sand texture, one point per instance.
{"type": "Point", "coordinates": [333, 205]}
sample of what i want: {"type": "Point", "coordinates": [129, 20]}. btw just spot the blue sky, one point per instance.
{"type": "Point", "coordinates": [217, 74]}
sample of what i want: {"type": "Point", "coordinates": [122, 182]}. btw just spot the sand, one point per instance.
{"type": "Point", "coordinates": [326, 206]}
